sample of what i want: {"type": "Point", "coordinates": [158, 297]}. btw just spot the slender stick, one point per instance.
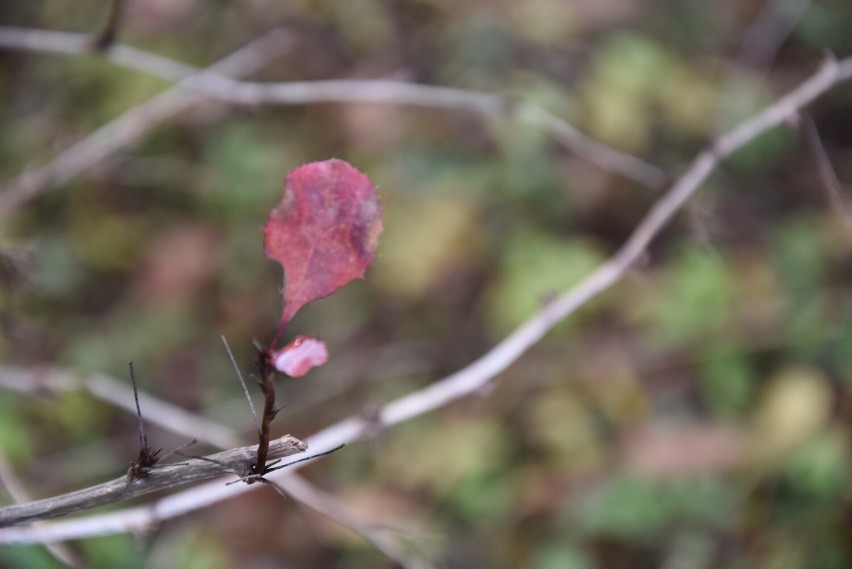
{"type": "Point", "coordinates": [212, 84]}
{"type": "Point", "coordinates": [61, 551]}
{"type": "Point", "coordinates": [242, 382]}
{"type": "Point", "coordinates": [185, 423]}
{"type": "Point", "coordinates": [134, 124]}
{"type": "Point", "coordinates": [238, 461]}
{"type": "Point", "coordinates": [830, 183]}
{"type": "Point", "coordinates": [143, 439]}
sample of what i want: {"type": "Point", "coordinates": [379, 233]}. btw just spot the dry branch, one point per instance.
{"type": "Point", "coordinates": [134, 124]}
{"type": "Point", "coordinates": [238, 462]}
{"type": "Point", "coordinates": [186, 424]}
{"type": "Point", "coordinates": [213, 82]}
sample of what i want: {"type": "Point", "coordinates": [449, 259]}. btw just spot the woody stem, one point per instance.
{"type": "Point", "coordinates": [267, 387]}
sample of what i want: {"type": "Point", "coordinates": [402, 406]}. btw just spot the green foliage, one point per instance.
{"type": "Point", "coordinates": [824, 26]}
{"type": "Point", "coordinates": [28, 557]}
{"type": "Point", "coordinates": [536, 266]}
{"type": "Point", "coordinates": [637, 510]}
{"type": "Point", "coordinates": [562, 556]}
{"type": "Point", "coordinates": [691, 303]}
{"type": "Point", "coordinates": [16, 439]}
{"type": "Point", "coordinates": [728, 381]}
{"type": "Point", "coordinates": [247, 171]}
{"type": "Point", "coordinates": [821, 470]}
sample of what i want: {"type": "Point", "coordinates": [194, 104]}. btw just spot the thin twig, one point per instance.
{"type": "Point", "coordinates": [242, 382]}
{"type": "Point", "coordinates": [133, 125]}
{"type": "Point", "coordinates": [108, 389]}
{"type": "Point", "coordinates": [63, 553]}
{"type": "Point", "coordinates": [767, 33]}
{"type": "Point", "coordinates": [830, 183]}
{"type": "Point", "coordinates": [147, 457]}
{"type": "Point", "coordinates": [329, 506]}
{"type": "Point", "coordinates": [238, 461]}
{"type": "Point", "coordinates": [182, 422]}
{"type": "Point", "coordinates": [143, 439]}
{"type": "Point", "coordinates": [475, 376]}
{"type": "Point", "coordinates": [213, 83]}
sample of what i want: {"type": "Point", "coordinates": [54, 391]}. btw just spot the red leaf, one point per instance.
{"type": "Point", "coordinates": [299, 356]}
{"type": "Point", "coordinates": [324, 232]}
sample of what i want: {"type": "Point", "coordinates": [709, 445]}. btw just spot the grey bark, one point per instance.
{"type": "Point", "coordinates": [238, 462]}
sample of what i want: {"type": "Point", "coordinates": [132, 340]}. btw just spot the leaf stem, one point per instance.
{"type": "Point", "coordinates": [267, 387]}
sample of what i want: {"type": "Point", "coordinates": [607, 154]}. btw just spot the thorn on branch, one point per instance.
{"type": "Point", "coordinates": [147, 457]}
{"type": "Point", "coordinates": [105, 40]}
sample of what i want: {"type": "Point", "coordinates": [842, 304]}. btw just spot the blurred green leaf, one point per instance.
{"type": "Point", "coordinates": [535, 266]}
{"type": "Point", "coordinates": [821, 470]}
{"type": "Point", "coordinates": [249, 174]}
{"type": "Point", "coordinates": [635, 509]}
{"type": "Point", "coordinates": [561, 556]}
{"type": "Point", "coordinates": [113, 551]}
{"type": "Point", "coordinates": [728, 380]}
{"type": "Point", "coordinates": [16, 436]}
{"type": "Point", "coordinates": [691, 303]}
{"type": "Point", "coordinates": [825, 26]}
{"type": "Point", "coordinates": [28, 557]}
{"type": "Point", "coordinates": [617, 96]}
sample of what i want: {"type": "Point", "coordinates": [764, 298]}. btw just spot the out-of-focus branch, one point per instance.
{"type": "Point", "coordinates": [828, 177]}
{"type": "Point", "coordinates": [16, 490]}
{"type": "Point", "coordinates": [182, 422]}
{"type": "Point", "coordinates": [47, 380]}
{"type": "Point", "coordinates": [214, 83]}
{"type": "Point", "coordinates": [106, 38]}
{"type": "Point", "coordinates": [476, 376]}
{"type": "Point", "coordinates": [770, 29]}
{"type": "Point", "coordinates": [331, 507]}
{"type": "Point", "coordinates": [134, 124]}
{"type": "Point", "coordinates": [238, 461]}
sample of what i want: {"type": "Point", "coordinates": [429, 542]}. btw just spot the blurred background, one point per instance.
{"type": "Point", "coordinates": [697, 415]}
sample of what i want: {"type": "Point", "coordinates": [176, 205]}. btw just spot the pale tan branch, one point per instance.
{"type": "Point", "coordinates": [329, 506]}
{"type": "Point", "coordinates": [237, 462]}
{"type": "Point", "coordinates": [133, 125]}
{"type": "Point", "coordinates": [214, 83]}
{"type": "Point", "coordinates": [182, 422]}
{"type": "Point", "coordinates": [60, 551]}
{"type": "Point", "coordinates": [45, 380]}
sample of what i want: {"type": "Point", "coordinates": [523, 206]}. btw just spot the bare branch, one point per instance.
{"type": "Point", "coordinates": [62, 552]}
{"type": "Point", "coordinates": [185, 423]}
{"type": "Point", "coordinates": [828, 177]}
{"type": "Point", "coordinates": [478, 374]}
{"type": "Point", "coordinates": [764, 37]}
{"type": "Point", "coordinates": [116, 393]}
{"type": "Point", "coordinates": [238, 461]}
{"type": "Point", "coordinates": [134, 124]}
{"type": "Point", "coordinates": [242, 381]}
{"type": "Point", "coordinates": [331, 507]}
{"type": "Point", "coordinates": [214, 83]}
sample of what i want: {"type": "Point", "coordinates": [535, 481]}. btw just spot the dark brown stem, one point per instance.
{"type": "Point", "coordinates": [267, 387]}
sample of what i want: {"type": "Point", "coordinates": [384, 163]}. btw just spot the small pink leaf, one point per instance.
{"type": "Point", "coordinates": [299, 356]}
{"type": "Point", "coordinates": [324, 232]}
